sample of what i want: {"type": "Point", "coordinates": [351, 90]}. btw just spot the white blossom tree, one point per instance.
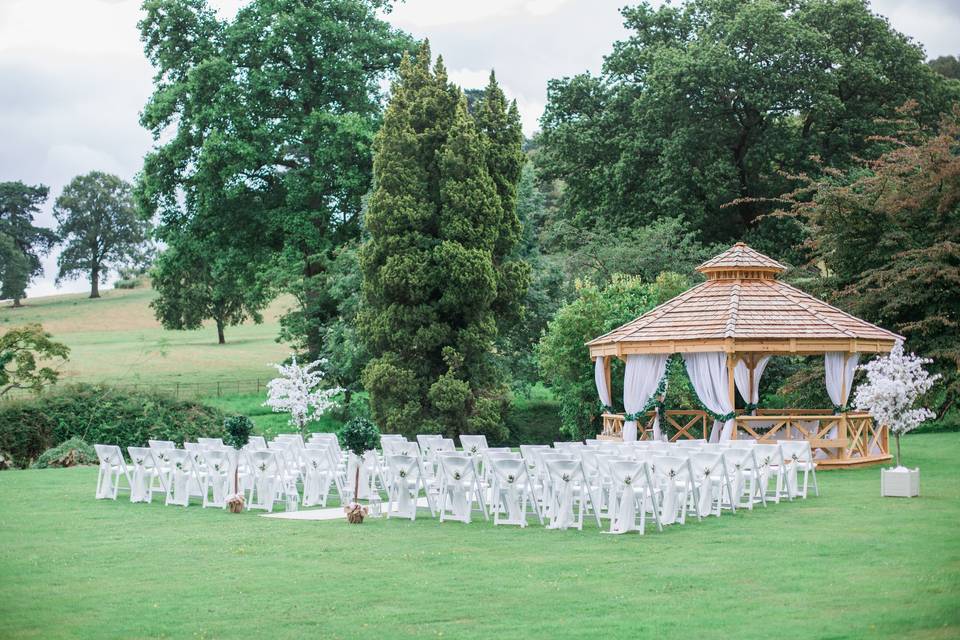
{"type": "Point", "coordinates": [894, 383]}
{"type": "Point", "coordinates": [298, 390]}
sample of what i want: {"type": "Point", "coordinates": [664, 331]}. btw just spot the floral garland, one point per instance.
{"type": "Point", "coordinates": [655, 402]}
{"type": "Point", "coordinates": [750, 407]}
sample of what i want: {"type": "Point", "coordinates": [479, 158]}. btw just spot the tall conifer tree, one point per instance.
{"type": "Point", "coordinates": [439, 280]}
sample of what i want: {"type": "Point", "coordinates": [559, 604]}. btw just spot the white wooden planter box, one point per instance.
{"type": "Point", "coordinates": [900, 482]}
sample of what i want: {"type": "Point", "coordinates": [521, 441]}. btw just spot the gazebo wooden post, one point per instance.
{"type": "Point", "coordinates": [606, 376]}
{"type": "Point", "coordinates": [732, 389]}
{"type": "Point", "coordinates": [842, 429]}
{"type": "Point", "coordinates": [751, 365]}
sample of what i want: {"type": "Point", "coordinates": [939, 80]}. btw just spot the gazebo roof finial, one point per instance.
{"type": "Point", "coordinates": [740, 261]}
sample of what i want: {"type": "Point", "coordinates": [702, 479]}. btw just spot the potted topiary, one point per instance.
{"type": "Point", "coordinates": [238, 430]}
{"type": "Point", "coordinates": [894, 383]}
{"type": "Point", "coordinates": [358, 435]}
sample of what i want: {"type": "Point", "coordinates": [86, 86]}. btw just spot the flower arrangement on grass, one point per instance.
{"type": "Point", "coordinates": [299, 391]}
{"type": "Point", "coordinates": [894, 384]}
{"type": "Point", "coordinates": [359, 435]}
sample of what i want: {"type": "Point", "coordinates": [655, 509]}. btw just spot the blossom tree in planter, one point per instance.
{"type": "Point", "coordinates": [359, 435]}
{"type": "Point", "coordinates": [298, 390]}
{"type": "Point", "coordinates": [894, 383]}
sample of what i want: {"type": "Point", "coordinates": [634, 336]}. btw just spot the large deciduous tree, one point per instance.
{"type": "Point", "coordinates": [196, 282]}
{"type": "Point", "coordinates": [26, 354]}
{"type": "Point", "coordinates": [22, 244]}
{"type": "Point", "coordinates": [263, 127]}
{"type": "Point", "coordinates": [712, 101]}
{"type": "Point", "coordinates": [888, 232]}
{"type": "Point", "coordinates": [100, 227]}
{"type": "Point", "coordinates": [440, 279]}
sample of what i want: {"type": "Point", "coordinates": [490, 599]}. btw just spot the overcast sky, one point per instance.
{"type": "Point", "coordinates": [73, 77]}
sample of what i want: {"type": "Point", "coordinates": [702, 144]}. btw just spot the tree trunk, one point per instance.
{"type": "Point", "coordinates": [220, 337]}
{"type": "Point", "coordinates": [16, 303]}
{"type": "Point", "coordinates": [95, 282]}
{"type": "Point", "coordinates": [897, 437]}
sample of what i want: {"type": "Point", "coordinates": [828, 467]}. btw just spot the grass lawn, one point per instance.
{"type": "Point", "coordinates": [116, 339]}
{"type": "Point", "coordinates": [846, 565]}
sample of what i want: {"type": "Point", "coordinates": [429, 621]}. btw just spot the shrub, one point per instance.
{"type": "Point", "coordinates": [132, 283]}
{"type": "Point", "coordinates": [533, 422]}
{"type": "Point", "coordinates": [66, 454]}
{"type": "Point", "coordinates": [238, 430]}
{"type": "Point", "coordinates": [359, 435]}
{"type": "Point", "coordinates": [102, 414]}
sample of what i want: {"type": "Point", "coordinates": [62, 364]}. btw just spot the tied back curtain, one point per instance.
{"type": "Point", "coordinates": [600, 375]}
{"type": "Point", "coordinates": [839, 368]}
{"type": "Point", "coordinates": [741, 376]}
{"type": "Point", "coordinates": [708, 375]}
{"type": "Point", "coordinates": [640, 381]}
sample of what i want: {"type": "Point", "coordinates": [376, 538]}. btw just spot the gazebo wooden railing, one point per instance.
{"type": "Point", "coordinates": [841, 440]}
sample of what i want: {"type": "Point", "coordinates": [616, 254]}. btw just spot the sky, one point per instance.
{"type": "Point", "coordinates": [73, 77]}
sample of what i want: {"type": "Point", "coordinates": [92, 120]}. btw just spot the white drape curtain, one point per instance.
{"type": "Point", "coordinates": [708, 374]}
{"type": "Point", "coordinates": [741, 376]}
{"type": "Point", "coordinates": [640, 380]}
{"type": "Point", "coordinates": [600, 375]}
{"type": "Point", "coordinates": [838, 373]}
{"type": "Point", "coordinates": [839, 368]}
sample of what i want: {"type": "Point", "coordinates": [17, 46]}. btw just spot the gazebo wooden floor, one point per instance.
{"type": "Point", "coordinates": [840, 441]}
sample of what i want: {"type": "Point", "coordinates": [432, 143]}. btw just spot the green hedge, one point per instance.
{"type": "Point", "coordinates": [535, 421]}
{"type": "Point", "coordinates": [102, 415]}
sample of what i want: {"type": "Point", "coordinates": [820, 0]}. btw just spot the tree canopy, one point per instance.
{"type": "Point", "coordinates": [25, 355]}
{"type": "Point", "coordinates": [263, 127]}
{"type": "Point", "coordinates": [439, 276]}
{"type": "Point", "coordinates": [712, 101]}
{"type": "Point", "coordinates": [100, 227]}
{"type": "Point", "coordinates": [22, 244]}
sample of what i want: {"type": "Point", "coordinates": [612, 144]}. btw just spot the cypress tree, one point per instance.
{"type": "Point", "coordinates": [438, 277]}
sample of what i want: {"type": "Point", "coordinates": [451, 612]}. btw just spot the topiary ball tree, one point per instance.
{"type": "Point", "coordinates": [359, 435]}
{"type": "Point", "coordinates": [238, 430]}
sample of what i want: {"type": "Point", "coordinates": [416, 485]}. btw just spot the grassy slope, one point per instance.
{"type": "Point", "coordinates": [116, 339]}
{"type": "Point", "coordinates": [846, 565]}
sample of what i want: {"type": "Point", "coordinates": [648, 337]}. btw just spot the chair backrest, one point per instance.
{"type": "Point", "coordinates": [629, 472]}
{"type": "Point", "coordinates": [142, 457]}
{"type": "Point", "coordinates": [706, 463]}
{"type": "Point", "coordinates": [317, 459]}
{"type": "Point", "coordinates": [264, 462]}
{"type": "Point", "coordinates": [402, 466]}
{"type": "Point", "coordinates": [796, 450]}
{"type": "Point", "coordinates": [256, 442]}
{"type": "Point", "coordinates": [217, 461]}
{"type": "Point", "coordinates": [400, 448]}
{"type": "Point", "coordinates": [445, 444]}
{"type": "Point", "coordinates": [180, 460]}
{"type": "Point", "coordinates": [391, 437]}
{"type": "Point", "coordinates": [474, 444]}
{"type": "Point", "coordinates": [563, 469]}
{"type": "Point", "coordinates": [109, 454]}
{"type": "Point", "coordinates": [741, 443]}
{"type": "Point", "coordinates": [427, 442]}
{"type": "Point", "coordinates": [670, 467]}
{"type": "Point", "coordinates": [457, 467]}
{"type": "Point", "coordinates": [767, 454]}
{"type": "Point", "coordinates": [210, 442]}
{"type": "Point", "coordinates": [509, 471]}
{"type": "Point", "coordinates": [738, 458]}
{"type": "Point", "coordinates": [161, 444]}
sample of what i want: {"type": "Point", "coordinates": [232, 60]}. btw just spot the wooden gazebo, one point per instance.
{"type": "Point", "coordinates": [743, 310]}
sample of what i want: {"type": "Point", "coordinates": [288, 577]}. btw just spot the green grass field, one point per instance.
{"type": "Point", "coordinates": [846, 565]}
{"type": "Point", "coordinates": [116, 339]}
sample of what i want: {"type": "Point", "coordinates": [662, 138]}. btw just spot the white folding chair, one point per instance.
{"type": "Point", "coordinates": [512, 491]}
{"type": "Point", "coordinates": [319, 476]}
{"type": "Point", "coordinates": [632, 486]}
{"type": "Point", "coordinates": [146, 470]}
{"type": "Point", "coordinates": [459, 487]}
{"type": "Point", "coordinates": [570, 494]}
{"type": "Point", "coordinates": [112, 469]}
{"type": "Point", "coordinates": [742, 471]}
{"type": "Point", "coordinates": [798, 457]}
{"type": "Point", "coordinates": [182, 477]}
{"type": "Point", "coordinates": [218, 479]}
{"type": "Point", "coordinates": [406, 473]}
{"type": "Point", "coordinates": [769, 461]}
{"type": "Point", "coordinates": [672, 475]}
{"type": "Point", "coordinates": [266, 479]}
{"type": "Point", "coordinates": [711, 483]}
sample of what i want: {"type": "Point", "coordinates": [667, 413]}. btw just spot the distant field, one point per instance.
{"type": "Point", "coordinates": [116, 339]}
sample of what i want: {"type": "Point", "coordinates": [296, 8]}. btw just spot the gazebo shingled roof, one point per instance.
{"type": "Point", "coordinates": [742, 307]}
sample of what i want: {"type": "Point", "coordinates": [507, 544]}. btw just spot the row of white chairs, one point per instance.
{"type": "Point", "coordinates": [559, 485]}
